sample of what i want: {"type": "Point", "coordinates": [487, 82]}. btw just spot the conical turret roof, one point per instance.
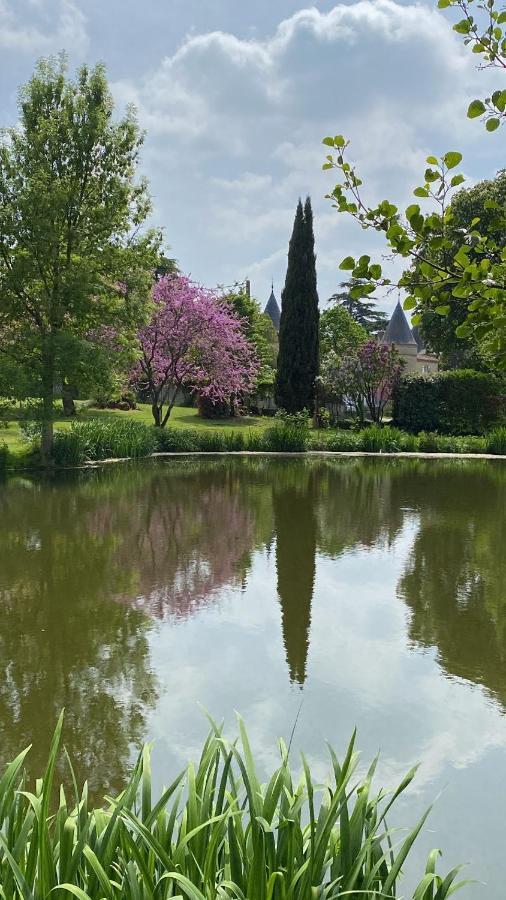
{"type": "Point", "coordinates": [398, 330]}
{"type": "Point", "coordinates": [273, 311]}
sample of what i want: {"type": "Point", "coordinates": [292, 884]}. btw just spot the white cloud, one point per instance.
{"type": "Point", "coordinates": [35, 27]}
{"type": "Point", "coordinates": [234, 121]}
{"type": "Point", "coordinates": [235, 127]}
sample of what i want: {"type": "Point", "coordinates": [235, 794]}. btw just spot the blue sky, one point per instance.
{"type": "Point", "coordinates": [236, 97]}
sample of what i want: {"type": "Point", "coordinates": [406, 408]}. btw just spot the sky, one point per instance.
{"type": "Point", "coordinates": [235, 98]}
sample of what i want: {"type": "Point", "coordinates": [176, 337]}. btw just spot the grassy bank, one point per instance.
{"type": "Point", "coordinates": [103, 434]}
{"type": "Point", "coordinates": [183, 418]}
{"type": "Point", "coordinates": [216, 832]}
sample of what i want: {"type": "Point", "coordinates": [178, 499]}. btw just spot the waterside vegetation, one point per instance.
{"type": "Point", "coordinates": [215, 832]}
{"type": "Point", "coordinates": [99, 435]}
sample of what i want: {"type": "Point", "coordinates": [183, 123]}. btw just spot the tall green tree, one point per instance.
{"type": "Point", "coordinates": [365, 312]}
{"type": "Point", "coordinates": [475, 204]}
{"type": "Point", "coordinates": [261, 334]}
{"type": "Point", "coordinates": [298, 359]}
{"type": "Point", "coordinates": [73, 259]}
{"type": "Point", "coordinates": [340, 333]}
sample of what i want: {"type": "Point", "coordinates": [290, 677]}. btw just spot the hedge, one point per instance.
{"type": "Point", "coordinates": [460, 401]}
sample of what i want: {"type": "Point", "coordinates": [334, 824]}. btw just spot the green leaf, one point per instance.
{"type": "Point", "coordinates": [348, 263]}
{"type": "Point", "coordinates": [457, 179]}
{"type": "Point", "coordinates": [501, 18]}
{"type": "Point", "coordinates": [492, 124]}
{"type": "Point", "coordinates": [475, 109]}
{"type": "Point", "coordinates": [339, 141]}
{"type": "Point", "coordinates": [499, 100]}
{"type": "Point", "coordinates": [375, 271]}
{"type": "Point", "coordinates": [328, 141]}
{"type": "Point", "coordinates": [452, 159]}
{"type": "Point", "coordinates": [443, 310]}
{"type": "Point", "coordinates": [421, 192]}
{"type": "Point", "coordinates": [432, 160]}
{"type": "Point", "coordinates": [416, 319]}
{"type": "Point", "coordinates": [409, 303]}
{"type": "Point", "coordinates": [443, 4]}
{"type": "Point", "coordinates": [462, 27]}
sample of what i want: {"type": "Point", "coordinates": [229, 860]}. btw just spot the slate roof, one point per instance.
{"type": "Point", "coordinates": [273, 311]}
{"type": "Point", "coordinates": [398, 330]}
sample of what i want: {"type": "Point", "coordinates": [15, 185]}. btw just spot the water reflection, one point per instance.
{"type": "Point", "coordinates": [92, 565]}
{"type": "Point", "coordinates": [295, 504]}
{"type": "Point", "coordinates": [62, 642]}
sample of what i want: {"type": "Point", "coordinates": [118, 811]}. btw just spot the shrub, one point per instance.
{"type": "Point", "coordinates": [4, 456]}
{"type": "Point", "coordinates": [217, 831]}
{"type": "Point", "coordinates": [124, 400]}
{"type": "Point", "coordinates": [176, 440]}
{"type": "Point", "coordinates": [460, 401]}
{"type": "Point", "coordinates": [428, 442]}
{"type": "Point", "coordinates": [344, 442]}
{"type": "Point", "coordinates": [376, 439]}
{"type": "Point", "coordinates": [70, 448]}
{"type": "Point", "coordinates": [495, 442]}
{"type": "Point", "coordinates": [290, 434]}
{"type": "Point", "coordinates": [95, 440]}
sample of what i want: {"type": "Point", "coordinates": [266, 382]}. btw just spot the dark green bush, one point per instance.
{"type": "Point", "coordinates": [495, 442]}
{"type": "Point", "coordinates": [458, 402]}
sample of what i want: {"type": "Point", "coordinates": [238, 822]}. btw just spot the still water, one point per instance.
{"type": "Point", "coordinates": [333, 593]}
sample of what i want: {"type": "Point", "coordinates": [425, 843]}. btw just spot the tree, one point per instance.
{"type": "Point", "coordinates": [340, 333]}
{"type": "Point", "coordinates": [261, 334]}
{"type": "Point", "coordinates": [368, 375]}
{"type": "Point", "coordinates": [365, 312]}
{"type": "Point", "coordinates": [298, 359]}
{"type": "Point", "coordinates": [72, 257]}
{"type": "Point", "coordinates": [467, 263]}
{"type": "Point", "coordinates": [439, 331]}
{"type": "Point", "coordinates": [193, 340]}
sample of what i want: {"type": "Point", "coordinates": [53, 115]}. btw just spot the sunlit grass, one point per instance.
{"type": "Point", "coordinates": [216, 832]}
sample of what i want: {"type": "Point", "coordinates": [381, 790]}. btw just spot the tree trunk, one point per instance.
{"type": "Point", "coordinates": [157, 414]}
{"type": "Point", "coordinates": [69, 407]}
{"type": "Point", "coordinates": [46, 444]}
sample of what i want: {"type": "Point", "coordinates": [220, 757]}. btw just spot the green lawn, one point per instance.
{"type": "Point", "coordinates": [181, 417]}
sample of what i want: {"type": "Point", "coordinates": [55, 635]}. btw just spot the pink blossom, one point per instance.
{"type": "Point", "coordinates": [193, 340]}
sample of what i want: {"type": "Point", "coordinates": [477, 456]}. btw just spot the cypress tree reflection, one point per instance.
{"type": "Point", "coordinates": [294, 496]}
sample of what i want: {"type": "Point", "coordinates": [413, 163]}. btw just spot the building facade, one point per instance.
{"type": "Point", "coordinates": [409, 344]}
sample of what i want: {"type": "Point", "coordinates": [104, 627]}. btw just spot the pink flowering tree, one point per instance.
{"type": "Point", "coordinates": [367, 376]}
{"type": "Point", "coordinates": [194, 341]}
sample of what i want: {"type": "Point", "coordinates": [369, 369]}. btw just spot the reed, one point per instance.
{"type": "Point", "coordinates": [216, 832]}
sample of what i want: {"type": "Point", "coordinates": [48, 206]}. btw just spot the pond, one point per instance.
{"type": "Point", "coordinates": [320, 594]}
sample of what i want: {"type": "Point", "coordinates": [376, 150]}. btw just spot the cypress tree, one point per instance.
{"type": "Point", "coordinates": [298, 358]}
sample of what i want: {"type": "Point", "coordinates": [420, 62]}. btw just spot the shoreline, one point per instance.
{"type": "Point", "coordinates": [304, 454]}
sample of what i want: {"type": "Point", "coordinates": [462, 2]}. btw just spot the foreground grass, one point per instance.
{"type": "Point", "coordinates": [216, 832]}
